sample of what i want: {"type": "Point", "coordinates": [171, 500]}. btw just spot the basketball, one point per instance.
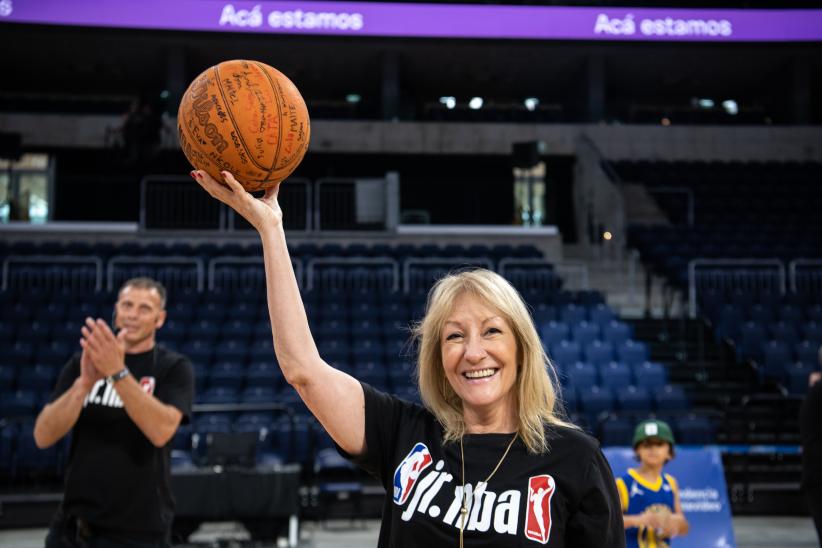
{"type": "Point", "coordinates": [247, 118]}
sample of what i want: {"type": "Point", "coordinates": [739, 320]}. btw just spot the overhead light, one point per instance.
{"type": "Point", "coordinates": [705, 103]}
{"type": "Point", "coordinates": [607, 235]}
{"type": "Point", "coordinates": [531, 103]}
{"type": "Point", "coordinates": [353, 98]}
{"type": "Point", "coordinates": [448, 101]}
{"type": "Point", "coordinates": [475, 103]}
{"type": "Point", "coordinates": [665, 121]}
{"type": "Point", "coordinates": [731, 107]}
{"type": "Point", "coordinates": [164, 94]}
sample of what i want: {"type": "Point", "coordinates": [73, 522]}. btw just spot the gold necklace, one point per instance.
{"type": "Point", "coordinates": [481, 485]}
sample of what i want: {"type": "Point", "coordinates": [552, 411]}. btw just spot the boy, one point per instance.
{"type": "Point", "coordinates": [650, 499]}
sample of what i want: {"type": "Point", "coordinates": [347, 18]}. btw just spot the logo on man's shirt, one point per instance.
{"type": "Point", "coordinates": [538, 522]}
{"type": "Point", "coordinates": [103, 393]}
{"type": "Point", "coordinates": [408, 472]}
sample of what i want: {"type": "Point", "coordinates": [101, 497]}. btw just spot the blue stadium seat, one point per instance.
{"type": "Point", "coordinates": [211, 422]}
{"type": "Point", "coordinates": [218, 395]}
{"type": "Point", "coordinates": [776, 357]}
{"type": "Point", "coordinates": [37, 378]}
{"type": "Point", "coordinates": [199, 350]}
{"type": "Point", "coordinates": [573, 314]}
{"type": "Point", "coordinates": [616, 332]}
{"type": "Point", "coordinates": [599, 353]}
{"type": "Point", "coordinates": [760, 313]}
{"type": "Point", "coordinates": [585, 333]}
{"type": "Point", "coordinates": [566, 353]}
{"type": "Point", "coordinates": [8, 441]}
{"type": "Point", "coordinates": [231, 351]}
{"type": "Point", "coordinates": [750, 342]}
{"type": "Point", "coordinates": [615, 375]}
{"type": "Point", "coordinates": [265, 374]}
{"type": "Point", "coordinates": [650, 375]}
{"type": "Point", "coordinates": [671, 398]}
{"type": "Point", "coordinates": [694, 429]}
{"type": "Point", "coordinates": [19, 353]}
{"type": "Point", "coordinates": [580, 374]}
{"type": "Point", "coordinates": [807, 353]}
{"type": "Point", "coordinates": [786, 333]}
{"type": "Point", "coordinates": [791, 313]}
{"type": "Point", "coordinates": [601, 314]}
{"type": "Point", "coordinates": [553, 333]}
{"type": "Point", "coordinates": [226, 374]}
{"type": "Point", "coordinates": [593, 400]}
{"type": "Point", "coordinates": [8, 374]}
{"type": "Point", "coordinates": [632, 352]}
{"type": "Point", "coordinates": [616, 430]}
{"type": "Point", "coordinates": [634, 399]}
{"type": "Point", "coordinates": [796, 378]}
{"type": "Point", "coordinates": [204, 330]}
{"type": "Point", "coordinates": [812, 331]}
{"type": "Point", "coordinates": [568, 398]}
{"type": "Point", "coordinates": [729, 323]}
{"type": "Point", "coordinates": [31, 459]}
{"type": "Point", "coordinates": [543, 313]}
{"type": "Point", "coordinates": [20, 403]}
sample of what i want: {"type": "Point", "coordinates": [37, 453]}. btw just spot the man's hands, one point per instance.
{"type": "Point", "coordinates": [103, 351]}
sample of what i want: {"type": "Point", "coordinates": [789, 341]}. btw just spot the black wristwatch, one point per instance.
{"type": "Point", "coordinates": [122, 374]}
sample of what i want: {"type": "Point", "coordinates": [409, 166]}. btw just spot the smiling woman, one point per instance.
{"type": "Point", "coordinates": [487, 460]}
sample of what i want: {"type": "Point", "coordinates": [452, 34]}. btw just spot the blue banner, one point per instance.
{"type": "Point", "coordinates": [702, 491]}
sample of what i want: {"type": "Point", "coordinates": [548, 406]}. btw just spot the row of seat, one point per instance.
{"type": "Point", "coordinates": [254, 249]}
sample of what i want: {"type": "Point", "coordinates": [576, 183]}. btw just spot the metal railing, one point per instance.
{"type": "Point", "coordinates": [86, 274]}
{"type": "Point", "coordinates": [162, 269]}
{"type": "Point", "coordinates": [574, 275]}
{"type": "Point", "coordinates": [734, 274]}
{"type": "Point", "coordinates": [805, 276]}
{"type": "Point", "coordinates": [432, 273]}
{"type": "Point", "coordinates": [171, 202]}
{"type": "Point", "coordinates": [229, 272]}
{"type": "Point", "coordinates": [353, 270]}
{"type": "Point", "coordinates": [533, 274]}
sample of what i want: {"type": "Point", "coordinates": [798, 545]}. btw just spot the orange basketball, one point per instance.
{"type": "Point", "coordinates": [247, 118]}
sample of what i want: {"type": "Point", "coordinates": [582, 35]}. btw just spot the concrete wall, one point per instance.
{"type": "Point", "coordinates": [614, 141]}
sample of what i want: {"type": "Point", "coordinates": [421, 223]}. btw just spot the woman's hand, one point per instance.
{"type": "Point", "coordinates": [260, 212]}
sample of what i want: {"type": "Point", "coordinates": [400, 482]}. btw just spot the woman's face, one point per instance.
{"type": "Point", "coordinates": [479, 354]}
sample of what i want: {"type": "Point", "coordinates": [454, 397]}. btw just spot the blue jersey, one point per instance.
{"type": "Point", "coordinates": [637, 495]}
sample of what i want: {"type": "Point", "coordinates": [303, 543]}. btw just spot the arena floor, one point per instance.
{"type": "Point", "coordinates": [750, 531]}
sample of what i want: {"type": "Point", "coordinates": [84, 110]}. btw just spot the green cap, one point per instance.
{"type": "Point", "coordinates": [653, 429]}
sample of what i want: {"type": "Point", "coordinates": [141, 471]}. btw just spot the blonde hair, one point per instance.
{"type": "Point", "coordinates": [536, 392]}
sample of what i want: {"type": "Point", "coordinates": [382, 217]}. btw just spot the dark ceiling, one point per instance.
{"type": "Point", "coordinates": [112, 62]}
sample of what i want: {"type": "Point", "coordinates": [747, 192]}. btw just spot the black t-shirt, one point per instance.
{"type": "Point", "coordinates": [117, 480]}
{"type": "Point", "coordinates": [565, 498]}
{"type": "Point", "coordinates": [810, 429]}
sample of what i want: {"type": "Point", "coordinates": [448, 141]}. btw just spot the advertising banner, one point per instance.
{"type": "Point", "coordinates": [427, 20]}
{"type": "Point", "coordinates": [702, 491]}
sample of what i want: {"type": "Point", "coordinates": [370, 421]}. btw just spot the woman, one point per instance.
{"type": "Point", "coordinates": [487, 461]}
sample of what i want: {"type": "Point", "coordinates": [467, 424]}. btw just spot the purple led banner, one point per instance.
{"type": "Point", "coordinates": [426, 20]}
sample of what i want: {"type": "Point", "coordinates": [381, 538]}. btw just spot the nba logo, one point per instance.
{"type": "Point", "coordinates": [407, 473]}
{"type": "Point", "coordinates": [147, 384]}
{"type": "Point", "coordinates": [538, 521]}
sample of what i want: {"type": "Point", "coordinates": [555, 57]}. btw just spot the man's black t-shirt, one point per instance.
{"type": "Point", "coordinates": [565, 498]}
{"type": "Point", "coordinates": [117, 480]}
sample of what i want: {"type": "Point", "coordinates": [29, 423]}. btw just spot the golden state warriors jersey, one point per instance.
{"type": "Point", "coordinates": [637, 495]}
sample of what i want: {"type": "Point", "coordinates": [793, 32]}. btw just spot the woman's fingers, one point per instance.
{"type": "Point", "coordinates": [232, 182]}
{"type": "Point", "coordinates": [211, 186]}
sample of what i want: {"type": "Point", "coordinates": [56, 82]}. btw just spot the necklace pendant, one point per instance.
{"type": "Point", "coordinates": [463, 510]}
